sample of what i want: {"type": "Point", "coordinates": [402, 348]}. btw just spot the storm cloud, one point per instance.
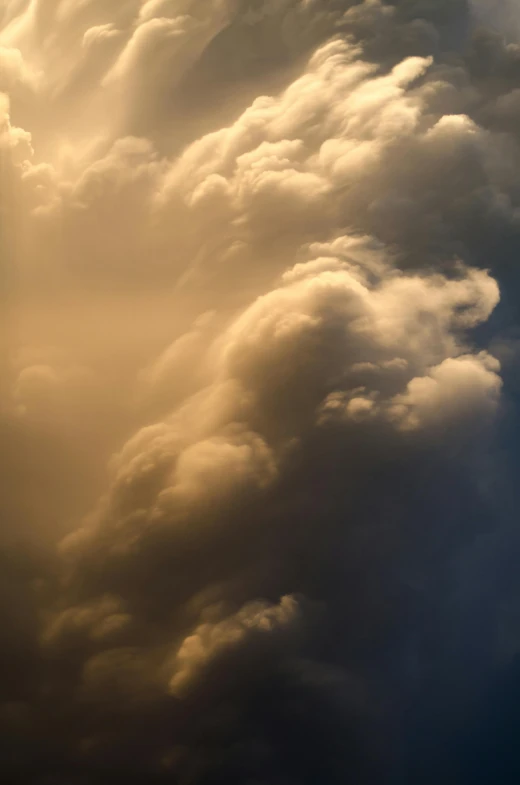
{"type": "Point", "coordinates": [259, 400]}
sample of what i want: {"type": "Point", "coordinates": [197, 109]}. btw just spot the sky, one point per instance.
{"type": "Point", "coordinates": [259, 392]}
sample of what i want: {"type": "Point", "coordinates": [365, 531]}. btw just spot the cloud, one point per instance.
{"type": "Point", "coordinates": [210, 644]}
{"type": "Point", "coordinates": [502, 15]}
{"type": "Point", "coordinates": [259, 375]}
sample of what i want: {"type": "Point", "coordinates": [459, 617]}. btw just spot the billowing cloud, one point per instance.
{"type": "Point", "coordinates": [258, 387]}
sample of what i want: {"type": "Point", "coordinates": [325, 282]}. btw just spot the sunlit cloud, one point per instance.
{"type": "Point", "coordinates": [255, 377]}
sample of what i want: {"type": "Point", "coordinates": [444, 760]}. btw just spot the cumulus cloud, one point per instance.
{"type": "Point", "coordinates": [257, 379]}
{"type": "Point", "coordinates": [211, 643]}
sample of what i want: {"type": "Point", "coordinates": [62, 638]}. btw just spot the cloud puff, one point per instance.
{"type": "Point", "coordinates": [211, 643]}
{"type": "Point", "coordinates": [346, 327]}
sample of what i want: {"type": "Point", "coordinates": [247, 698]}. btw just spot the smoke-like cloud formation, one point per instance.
{"type": "Point", "coordinates": [259, 401]}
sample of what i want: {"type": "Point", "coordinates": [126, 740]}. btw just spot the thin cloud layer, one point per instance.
{"type": "Point", "coordinates": [258, 376]}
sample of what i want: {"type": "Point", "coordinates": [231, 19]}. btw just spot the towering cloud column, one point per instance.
{"type": "Point", "coordinates": [258, 388]}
